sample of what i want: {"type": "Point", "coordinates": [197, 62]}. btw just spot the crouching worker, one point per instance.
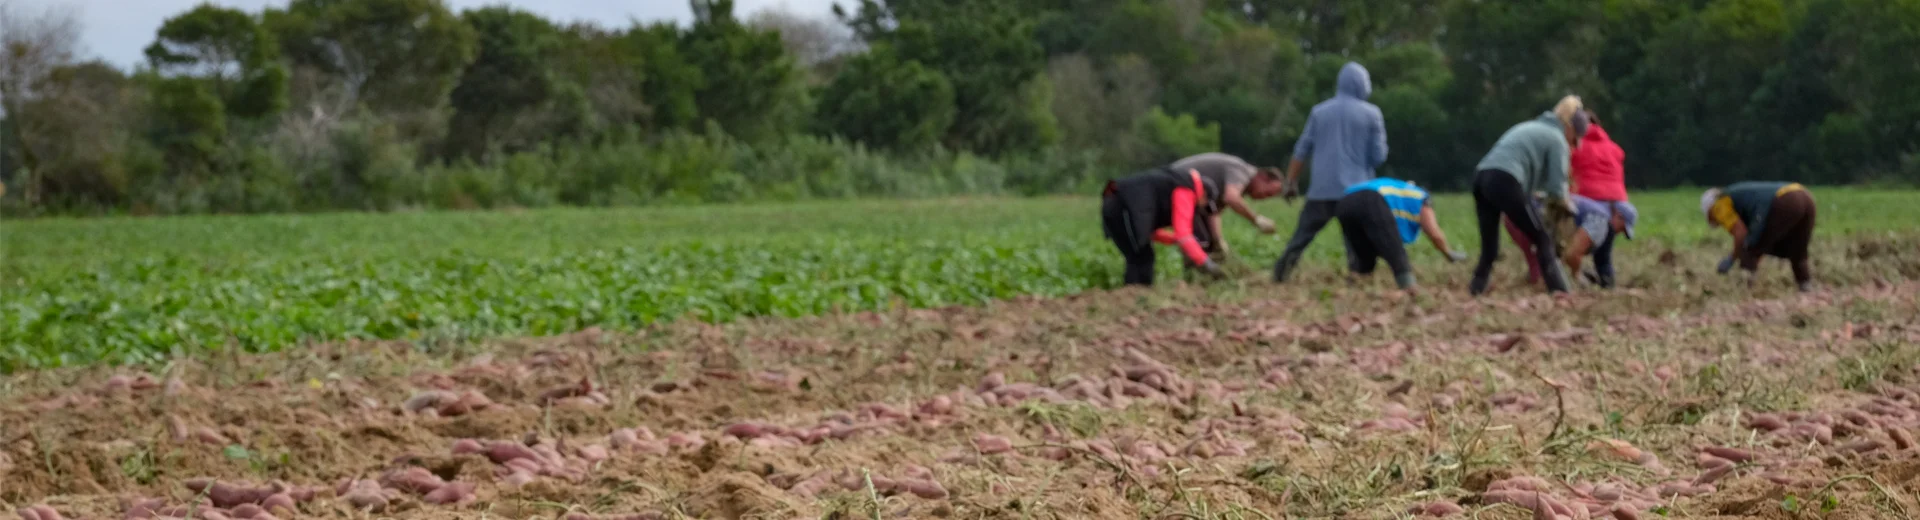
{"type": "Point", "coordinates": [1599, 223]}
{"type": "Point", "coordinates": [1765, 218]}
{"type": "Point", "coordinates": [1378, 218]}
{"type": "Point", "coordinates": [1165, 206]}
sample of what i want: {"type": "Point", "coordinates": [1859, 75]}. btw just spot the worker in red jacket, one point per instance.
{"type": "Point", "coordinates": [1598, 173]}
{"type": "Point", "coordinates": [1160, 205]}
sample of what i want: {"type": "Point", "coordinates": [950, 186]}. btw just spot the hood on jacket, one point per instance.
{"type": "Point", "coordinates": [1354, 81]}
{"type": "Point", "coordinates": [1596, 135]}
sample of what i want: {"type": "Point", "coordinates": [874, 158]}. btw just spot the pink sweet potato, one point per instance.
{"type": "Point", "coordinates": [414, 480]}
{"type": "Point", "coordinates": [427, 400]}
{"type": "Point", "coordinates": [1708, 461]}
{"type": "Point", "coordinates": [143, 508]}
{"type": "Point", "coordinates": [991, 382]}
{"type": "Point", "coordinates": [1902, 440]}
{"type": "Point", "coordinates": [1860, 445]}
{"type": "Point", "coordinates": [38, 512]}
{"type": "Point", "coordinates": [748, 430]}
{"type": "Point", "coordinates": [518, 479]}
{"type": "Point", "coordinates": [1712, 475]}
{"type": "Point", "coordinates": [451, 493]}
{"type": "Point", "coordinates": [225, 495]}
{"type": "Point", "coordinates": [594, 453]}
{"type": "Point", "coordinates": [366, 495]}
{"type": "Point", "coordinates": [939, 405]}
{"type": "Point", "coordinates": [812, 486]}
{"type": "Point", "coordinates": [210, 436]}
{"type": "Point", "coordinates": [685, 441]}
{"type": "Point", "coordinates": [282, 503]}
{"type": "Point", "coordinates": [1436, 509]}
{"type": "Point", "coordinates": [502, 451]}
{"type": "Point", "coordinates": [926, 489]}
{"type": "Point", "coordinates": [990, 444]}
{"type": "Point", "coordinates": [1737, 455]}
{"type": "Point", "coordinates": [1766, 422]}
{"type": "Point", "coordinates": [468, 447]}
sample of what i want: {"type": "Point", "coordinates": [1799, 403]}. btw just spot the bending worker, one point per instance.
{"type": "Point", "coordinates": [1160, 205]}
{"type": "Point", "coordinates": [1238, 181]}
{"type": "Point", "coordinates": [1598, 175]}
{"type": "Point", "coordinates": [1599, 222]}
{"type": "Point", "coordinates": [1346, 138]}
{"type": "Point", "coordinates": [1378, 218]}
{"type": "Point", "coordinates": [1531, 157]}
{"type": "Point", "coordinates": [1765, 218]}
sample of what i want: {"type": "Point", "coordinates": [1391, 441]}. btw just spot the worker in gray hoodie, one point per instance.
{"type": "Point", "coordinates": [1345, 138]}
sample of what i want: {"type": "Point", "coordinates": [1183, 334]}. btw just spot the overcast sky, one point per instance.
{"type": "Point", "coordinates": [117, 30]}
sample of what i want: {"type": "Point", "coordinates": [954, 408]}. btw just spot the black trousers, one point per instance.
{"type": "Point", "coordinates": [1372, 235]}
{"type": "Point", "coordinates": [1497, 193]}
{"type": "Point", "coordinates": [1313, 217]}
{"type": "Point", "coordinates": [1789, 231]}
{"type": "Point", "coordinates": [1129, 224]}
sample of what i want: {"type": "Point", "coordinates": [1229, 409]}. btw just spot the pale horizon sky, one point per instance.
{"type": "Point", "coordinates": [117, 30]}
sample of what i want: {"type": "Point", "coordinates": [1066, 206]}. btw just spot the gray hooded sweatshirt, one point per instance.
{"type": "Point", "coordinates": [1345, 138]}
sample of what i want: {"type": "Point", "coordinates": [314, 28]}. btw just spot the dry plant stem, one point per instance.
{"type": "Point", "coordinates": [1095, 456]}
{"type": "Point", "coordinates": [1559, 406]}
{"type": "Point", "coordinates": [873, 496]}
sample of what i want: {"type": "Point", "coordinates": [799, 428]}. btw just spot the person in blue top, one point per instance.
{"type": "Point", "coordinates": [1378, 218]}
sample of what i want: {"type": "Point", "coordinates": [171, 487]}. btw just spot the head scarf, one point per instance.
{"type": "Point", "coordinates": [1707, 199]}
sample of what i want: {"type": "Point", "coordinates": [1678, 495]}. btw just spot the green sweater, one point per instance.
{"type": "Point", "coordinates": [1536, 153]}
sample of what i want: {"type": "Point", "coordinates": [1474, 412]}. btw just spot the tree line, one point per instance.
{"type": "Point", "coordinates": [393, 104]}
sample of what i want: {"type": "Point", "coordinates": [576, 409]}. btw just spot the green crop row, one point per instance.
{"type": "Point", "coordinates": [134, 290]}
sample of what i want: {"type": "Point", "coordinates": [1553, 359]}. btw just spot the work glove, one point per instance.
{"type": "Point", "coordinates": [1455, 257]}
{"type": "Point", "coordinates": [1726, 264]}
{"type": "Point", "coordinates": [1212, 270]}
{"type": "Point", "coordinates": [1265, 224]}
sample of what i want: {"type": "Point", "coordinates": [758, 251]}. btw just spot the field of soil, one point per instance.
{"type": "Point", "coordinates": [1682, 395]}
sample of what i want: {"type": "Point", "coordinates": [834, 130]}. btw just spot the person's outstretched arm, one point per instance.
{"type": "Point", "coordinates": [1377, 144]}
{"type": "Point", "coordinates": [1430, 224]}
{"type": "Point", "coordinates": [1235, 197]}
{"type": "Point", "coordinates": [1739, 231]}
{"type": "Point", "coordinates": [1184, 202]}
{"type": "Point", "coordinates": [1577, 251]}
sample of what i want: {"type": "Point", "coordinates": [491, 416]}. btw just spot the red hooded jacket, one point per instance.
{"type": "Point", "coordinates": [1597, 171]}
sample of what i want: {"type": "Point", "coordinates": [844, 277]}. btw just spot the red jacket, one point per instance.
{"type": "Point", "coordinates": [1597, 171]}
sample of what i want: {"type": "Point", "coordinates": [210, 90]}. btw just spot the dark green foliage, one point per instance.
{"type": "Point", "coordinates": [884, 103]}
{"type": "Point", "coordinates": [390, 104]}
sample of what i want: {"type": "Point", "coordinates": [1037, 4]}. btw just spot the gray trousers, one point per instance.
{"type": "Point", "coordinates": [1313, 217]}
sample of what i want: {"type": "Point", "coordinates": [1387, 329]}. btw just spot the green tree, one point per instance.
{"type": "Point", "coordinates": [1351, 27]}
{"type": "Point", "coordinates": [187, 122]}
{"type": "Point", "coordinates": [1170, 137]}
{"type": "Point", "coordinates": [879, 100]}
{"type": "Point", "coordinates": [1512, 60]}
{"type": "Point", "coordinates": [669, 83]}
{"type": "Point", "coordinates": [749, 85]}
{"type": "Point", "coordinates": [506, 80]}
{"type": "Point", "coordinates": [231, 51]}
{"type": "Point", "coordinates": [393, 56]}
{"type": "Point", "coordinates": [987, 49]}
{"type": "Point", "coordinates": [1690, 97]}
{"type": "Point", "coordinates": [607, 75]}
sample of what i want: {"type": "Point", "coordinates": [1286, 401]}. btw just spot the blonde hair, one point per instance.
{"type": "Point", "coordinates": [1566, 109]}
